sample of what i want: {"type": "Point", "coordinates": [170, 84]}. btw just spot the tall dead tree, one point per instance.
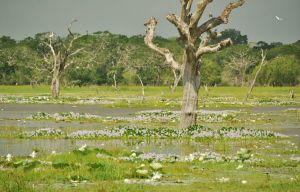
{"type": "Point", "coordinates": [190, 32]}
{"type": "Point", "coordinates": [261, 65]}
{"type": "Point", "coordinates": [60, 58]}
{"type": "Point", "coordinates": [239, 63]}
{"type": "Point", "coordinates": [177, 78]}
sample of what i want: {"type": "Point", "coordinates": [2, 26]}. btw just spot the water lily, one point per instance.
{"type": "Point", "coordinates": [33, 154]}
{"type": "Point", "coordinates": [8, 157]}
{"type": "Point", "coordinates": [133, 155]}
{"type": "Point", "coordinates": [128, 181]}
{"type": "Point", "coordinates": [83, 147]}
{"type": "Point", "coordinates": [156, 176]}
{"type": "Point", "coordinates": [223, 179]}
{"type": "Point", "coordinates": [239, 167]}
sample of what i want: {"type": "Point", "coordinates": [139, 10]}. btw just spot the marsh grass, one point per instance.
{"type": "Point", "coordinates": [156, 97]}
{"type": "Point", "coordinates": [85, 170]}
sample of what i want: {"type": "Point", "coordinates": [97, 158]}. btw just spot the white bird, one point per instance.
{"type": "Point", "coordinates": [83, 147]}
{"type": "Point", "coordinates": [33, 154]}
{"type": "Point", "coordinates": [278, 18]}
{"type": "Point", "coordinates": [8, 157]}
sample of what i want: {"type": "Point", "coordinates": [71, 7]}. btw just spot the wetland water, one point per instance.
{"type": "Point", "coordinates": [14, 115]}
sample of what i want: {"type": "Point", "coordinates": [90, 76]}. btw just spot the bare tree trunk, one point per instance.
{"type": "Point", "coordinates": [115, 81]}
{"type": "Point", "coordinates": [292, 94]}
{"type": "Point", "coordinates": [55, 86]}
{"type": "Point", "coordinates": [206, 90]}
{"type": "Point", "coordinates": [176, 81]}
{"type": "Point", "coordinates": [243, 78]}
{"type": "Point", "coordinates": [263, 57]}
{"type": "Point", "coordinates": [191, 86]}
{"type": "Point", "coordinates": [142, 84]}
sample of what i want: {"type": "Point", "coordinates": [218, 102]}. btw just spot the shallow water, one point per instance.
{"type": "Point", "coordinates": [162, 146]}
{"type": "Point", "coordinates": [17, 111]}
{"type": "Point", "coordinates": [14, 115]}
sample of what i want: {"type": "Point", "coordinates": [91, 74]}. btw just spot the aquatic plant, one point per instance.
{"type": "Point", "coordinates": [44, 132]}
{"type": "Point", "coordinates": [194, 132]}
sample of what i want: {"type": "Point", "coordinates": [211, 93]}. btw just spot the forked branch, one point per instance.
{"type": "Point", "coordinates": [213, 48]}
{"type": "Point", "coordinates": [150, 33]}
{"type": "Point", "coordinates": [198, 13]}
{"type": "Point", "coordinates": [222, 19]}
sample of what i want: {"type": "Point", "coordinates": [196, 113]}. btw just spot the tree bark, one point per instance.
{"type": "Point", "coordinates": [115, 81]}
{"type": "Point", "coordinates": [191, 86]}
{"type": "Point", "coordinates": [55, 85]}
{"type": "Point", "coordinates": [177, 78]}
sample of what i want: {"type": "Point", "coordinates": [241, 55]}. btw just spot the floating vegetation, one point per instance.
{"type": "Point", "coordinates": [62, 116]}
{"type": "Point", "coordinates": [153, 115]}
{"type": "Point", "coordinates": [45, 132]}
{"type": "Point", "coordinates": [243, 155]}
{"type": "Point", "coordinates": [196, 131]}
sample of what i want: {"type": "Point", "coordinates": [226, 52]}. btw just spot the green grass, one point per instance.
{"type": "Point", "coordinates": [150, 91]}
{"type": "Point", "coordinates": [156, 97]}
{"type": "Point", "coordinates": [108, 174]}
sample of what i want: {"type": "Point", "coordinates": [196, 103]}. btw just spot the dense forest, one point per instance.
{"type": "Point", "coordinates": [111, 59]}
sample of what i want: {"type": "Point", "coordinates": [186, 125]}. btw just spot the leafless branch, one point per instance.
{"type": "Point", "coordinates": [213, 48]}
{"type": "Point", "coordinates": [150, 33]}
{"type": "Point", "coordinates": [222, 19]}
{"type": "Point", "coordinates": [199, 12]}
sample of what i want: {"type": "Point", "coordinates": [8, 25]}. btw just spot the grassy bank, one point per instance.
{"type": "Point", "coordinates": [155, 97]}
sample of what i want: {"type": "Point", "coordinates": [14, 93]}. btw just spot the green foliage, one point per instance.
{"type": "Point", "coordinates": [106, 56]}
{"type": "Point", "coordinates": [234, 35]}
{"type": "Point", "coordinates": [281, 71]}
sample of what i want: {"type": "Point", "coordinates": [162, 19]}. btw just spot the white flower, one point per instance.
{"type": "Point", "coordinates": [33, 154]}
{"type": "Point", "coordinates": [83, 147]}
{"type": "Point", "coordinates": [239, 167]}
{"type": "Point", "coordinates": [223, 180]}
{"type": "Point", "coordinates": [244, 182]}
{"type": "Point", "coordinates": [133, 155]}
{"type": "Point", "coordinates": [128, 181]}
{"type": "Point", "coordinates": [191, 157]}
{"type": "Point", "coordinates": [156, 176]}
{"type": "Point", "coordinates": [8, 157]}
{"type": "Point", "coordinates": [53, 152]}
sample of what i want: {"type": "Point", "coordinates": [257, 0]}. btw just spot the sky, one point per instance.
{"type": "Point", "coordinates": [256, 19]}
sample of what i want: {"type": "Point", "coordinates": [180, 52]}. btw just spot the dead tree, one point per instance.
{"type": "Point", "coordinates": [60, 59]}
{"type": "Point", "coordinates": [261, 65]}
{"type": "Point", "coordinates": [177, 78]}
{"type": "Point", "coordinates": [190, 32]}
{"type": "Point", "coordinates": [239, 63]}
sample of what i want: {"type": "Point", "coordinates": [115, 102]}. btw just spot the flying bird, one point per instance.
{"type": "Point", "coordinates": [278, 18]}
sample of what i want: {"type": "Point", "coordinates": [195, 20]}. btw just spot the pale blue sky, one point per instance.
{"type": "Point", "coordinates": [22, 18]}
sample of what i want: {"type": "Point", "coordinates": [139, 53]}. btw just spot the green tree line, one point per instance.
{"type": "Point", "coordinates": [112, 59]}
